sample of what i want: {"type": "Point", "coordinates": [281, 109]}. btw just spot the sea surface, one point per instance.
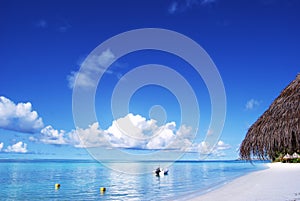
{"type": "Point", "coordinates": [82, 180]}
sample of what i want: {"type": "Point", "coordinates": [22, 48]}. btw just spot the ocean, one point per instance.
{"type": "Point", "coordinates": [82, 180]}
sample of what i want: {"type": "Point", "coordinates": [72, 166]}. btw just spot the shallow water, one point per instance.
{"type": "Point", "coordinates": [81, 180]}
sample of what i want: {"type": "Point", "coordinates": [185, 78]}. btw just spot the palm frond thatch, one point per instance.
{"type": "Point", "coordinates": [278, 129]}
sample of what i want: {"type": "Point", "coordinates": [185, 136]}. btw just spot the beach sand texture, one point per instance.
{"type": "Point", "coordinates": [280, 182]}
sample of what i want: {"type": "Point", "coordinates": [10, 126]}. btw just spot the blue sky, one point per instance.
{"type": "Point", "coordinates": [254, 45]}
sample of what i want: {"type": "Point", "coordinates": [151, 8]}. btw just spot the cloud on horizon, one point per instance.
{"type": "Point", "coordinates": [131, 131]}
{"type": "Point", "coordinates": [205, 149]}
{"type": "Point", "coordinates": [1, 146]}
{"type": "Point", "coordinates": [134, 132]}
{"type": "Point", "coordinates": [19, 147]}
{"type": "Point", "coordinates": [19, 117]}
{"type": "Point", "coordinates": [52, 136]}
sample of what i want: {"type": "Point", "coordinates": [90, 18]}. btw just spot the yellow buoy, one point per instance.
{"type": "Point", "coordinates": [57, 186]}
{"type": "Point", "coordinates": [102, 190]}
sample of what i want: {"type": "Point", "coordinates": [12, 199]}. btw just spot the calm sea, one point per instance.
{"type": "Point", "coordinates": [81, 180]}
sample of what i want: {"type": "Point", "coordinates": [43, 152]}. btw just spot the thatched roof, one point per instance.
{"type": "Point", "coordinates": [278, 129]}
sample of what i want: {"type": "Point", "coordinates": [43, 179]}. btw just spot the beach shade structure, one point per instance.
{"type": "Point", "coordinates": [277, 131]}
{"type": "Point", "coordinates": [295, 155]}
{"type": "Point", "coordinates": [287, 156]}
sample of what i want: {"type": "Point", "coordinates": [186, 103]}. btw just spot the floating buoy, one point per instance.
{"type": "Point", "coordinates": [102, 190]}
{"type": "Point", "coordinates": [57, 186]}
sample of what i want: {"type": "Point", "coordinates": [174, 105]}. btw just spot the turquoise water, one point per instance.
{"type": "Point", "coordinates": [81, 180]}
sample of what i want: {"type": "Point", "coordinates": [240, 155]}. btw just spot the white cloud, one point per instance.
{"type": "Point", "coordinates": [163, 137]}
{"type": "Point", "coordinates": [19, 117]}
{"type": "Point", "coordinates": [131, 131]}
{"type": "Point", "coordinates": [184, 138]}
{"type": "Point", "coordinates": [87, 76]}
{"type": "Point", "coordinates": [19, 147]}
{"type": "Point", "coordinates": [52, 136]}
{"type": "Point", "coordinates": [32, 139]}
{"type": "Point", "coordinates": [1, 146]}
{"type": "Point", "coordinates": [205, 149]}
{"type": "Point", "coordinates": [106, 58]}
{"type": "Point", "coordinates": [84, 80]}
{"type": "Point", "coordinates": [252, 104]}
{"type": "Point", "coordinates": [222, 146]}
{"type": "Point", "coordinates": [93, 136]}
{"type": "Point", "coordinates": [137, 132]}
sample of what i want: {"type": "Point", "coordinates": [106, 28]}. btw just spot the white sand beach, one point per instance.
{"type": "Point", "coordinates": [280, 182]}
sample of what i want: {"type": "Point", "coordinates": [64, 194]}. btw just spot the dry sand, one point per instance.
{"type": "Point", "coordinates": [280, 182]}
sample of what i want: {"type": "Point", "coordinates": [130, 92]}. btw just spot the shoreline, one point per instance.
{"type": "Point", "coordinates": [278, 182]}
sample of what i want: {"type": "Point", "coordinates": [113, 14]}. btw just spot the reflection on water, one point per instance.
{"type": "Point", "coordinates": [133, 157]}
{"type": "Point", "coordinates": [82, 181]}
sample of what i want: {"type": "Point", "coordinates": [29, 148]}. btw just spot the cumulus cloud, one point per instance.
{"type": "Point", "coordinates": [19, 117]}
{"type": "Point", "coordinates": [19, 147]}
{"type": "Point", "coordinates": [205, 149]}
{"type": "Point", "coordinates": [50, 135]}
{"type": "Point", "coordinates": [1, 146]}
{"type": "Point", "coordinates": [96, 63]}
{"type": "Point", "coordinates": [252, 104]}
{"type": "Point", "coordinates": [92, 136]}
{"type": "Point", "coordinates": [182, 137]}
{"type": "Point", "coordinates": [131, 131]}
{"type": "Point", "coordinates": [134, 131]}
{"type": "Point", "coordinates": [163, 137]}
{"type": "Point", "coordinates": [184, 5]}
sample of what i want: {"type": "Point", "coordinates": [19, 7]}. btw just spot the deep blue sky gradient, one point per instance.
{"type": "Point", "coordinates": [254, 44]}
